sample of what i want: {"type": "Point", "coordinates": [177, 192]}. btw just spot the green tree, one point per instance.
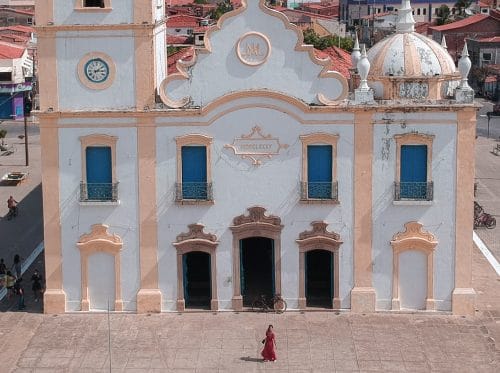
{"type": "Point", "coordinates": [311, 37]}
{"type": "Point", "coordinates": [443, 15]}
{"type": "Point", "coordinates": [461, 5]}
{"type": "Point", "coordinates": [200, 1]}
{"type": "Point", "coordinates": [222, 7]}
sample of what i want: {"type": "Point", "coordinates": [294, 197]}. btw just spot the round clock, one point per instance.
{"type": "Point", "coordinates": [96, 70]}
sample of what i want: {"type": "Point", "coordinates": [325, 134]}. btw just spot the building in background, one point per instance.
{"type": "Point", "coordinates": [253, 169]}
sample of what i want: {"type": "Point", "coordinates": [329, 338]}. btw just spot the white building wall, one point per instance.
{"type": "Point", "coordinates": [437, 217]}
{"type": "Point", "coordinates": [77, 219]}
{"type": "Point", "coordinates": [73, 46]}
{"type": "Point", "coordinates": [239, 185]}
{"type": "Point", "coordinates": [65, 14]}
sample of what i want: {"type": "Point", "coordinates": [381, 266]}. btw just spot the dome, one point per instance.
{"type": "Point", "coordinates": [407, 53]}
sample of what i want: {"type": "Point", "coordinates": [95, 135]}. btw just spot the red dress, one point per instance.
{"type": "Point", "coordinates": [268, 352]}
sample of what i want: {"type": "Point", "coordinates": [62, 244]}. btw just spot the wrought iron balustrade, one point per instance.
{"type": "Point", "coordinates": [194, 191]}
{"type": "Point", "coordinates": [413, 191]}
{"type": "Point", "coordinates": [319, 190]}
{"type": "Point", "coordinates": [98, 192]}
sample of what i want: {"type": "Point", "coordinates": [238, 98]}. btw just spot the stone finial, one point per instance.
{"type": "Point", "coordinates": [443, 43]}
{"type": "Point", "coordinates": [405, 22]}
{"type": "Point", "coordinates": [464, 65]}
{"type": "Point", "coordinates": [363, 69]}
{"type": "Point", "coordinates": [356, 54]}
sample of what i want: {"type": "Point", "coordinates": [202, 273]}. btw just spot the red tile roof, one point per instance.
{"type": "Point", "coordinates": [184, 54]}
{"type": "Point", "coordinates": [177, 39]}
{"type": "Point", "coordinates": [462, 23]}
{"type": "Point", "coordinates": [20, 11]}
{"type": "Point", "coordinates": [340, 59]}
{"type": "Point", "coordinates": [494, 39]}
{"type": "Point", "coordinates": [10, 51]}
{"type": "Point", "coordinates": [183, 21]}
{"type": "Point", "coordinates": [19, 28]}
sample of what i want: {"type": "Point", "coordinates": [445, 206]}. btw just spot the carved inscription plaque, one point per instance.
{"type": "Point", "coordinates": [253, 48]}
{"type": "Point", "coordinates": [256, 146]}
{"type": "Point", "coordinates": [413, 90]}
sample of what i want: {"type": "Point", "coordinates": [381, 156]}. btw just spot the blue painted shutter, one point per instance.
{"type": "Point", "coordinates": [99, 173]}
{"type": "Point", "coordinates": [194, 172]}
{"type": "Point", "coordinates": [319, 171]}
{"type": "Point", "coordinates": [413, 171]}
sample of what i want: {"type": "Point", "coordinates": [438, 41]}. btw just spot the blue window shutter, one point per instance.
{"type": "Point", "coordinates": [194, 172]}
{"type": "Point", "coordinates": [319, 171]}
{"type": "Point", "coordinates": [99, 172]}
{"type": "Point", "coordinates": [413, 171]}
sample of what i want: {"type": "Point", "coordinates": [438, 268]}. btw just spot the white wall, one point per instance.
{"type": "Point", "coordinates": [64, 13]}
{"type": "Point", "coordinates": [77, 219]}
{"type": "Point", "coordinates": [239, 185]}
{"type": "Point", "coordinates": [72, 46]}
{"type": "Point", "coordinates": [438, 217]}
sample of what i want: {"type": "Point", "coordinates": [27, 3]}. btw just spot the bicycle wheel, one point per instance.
{"type": "Point", "coordinates": [257, 305]}
{"type": "Point", "coordinates": [491, 223]}
{"type": "Point", "coordinates": [280, 305]}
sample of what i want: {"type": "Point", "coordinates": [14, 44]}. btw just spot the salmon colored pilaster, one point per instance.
{"type": "Point", "coordinates": [144, 69]}
{"type": "Point", "coordinates": [143, 11]}
{"type": "Point", "coordinates": [149, 296]}
{"type": "Point", "coordinates": [54, 297]}
{"type": "Point", "coordinates": [44, 12]}
{"type": "Point", "coordinates": [463, 300]}
{"type": "Point", "coordinates": [363, 293]}
{"type": "Point", "coordinates": [47, 70]}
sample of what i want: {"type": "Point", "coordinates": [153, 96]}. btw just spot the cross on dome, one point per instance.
{"type": "Point", "coordinates": [406, 22]}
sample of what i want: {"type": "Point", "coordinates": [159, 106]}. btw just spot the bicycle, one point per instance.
{"type": "Point", "coordinates": [276, 304]}
{"type": "Point", "coordinates": [483, 219]}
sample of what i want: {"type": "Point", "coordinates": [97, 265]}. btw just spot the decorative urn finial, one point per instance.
{"type": "Point", "coordinates": [443, 43]}
{"type": "Point", "coordinates": [363, 69]}
{"type": "Point", "coordinates": [356, 54]}
{"type": "Point", "coordinates": [464, 65]}
{"type": "Point", "coordinates": [405, 22]}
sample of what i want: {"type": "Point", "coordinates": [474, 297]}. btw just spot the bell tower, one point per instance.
{"type": "Point", "coordinates": [100, 54]}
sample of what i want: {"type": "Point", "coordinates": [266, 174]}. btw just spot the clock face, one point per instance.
{"type": "Point", "coordinates": [96, 70]}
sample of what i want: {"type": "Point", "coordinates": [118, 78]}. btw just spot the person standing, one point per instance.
{"type": "Point", "coordinates": [3, 267]}
{"type": "Point", "coordinates": [18, 286]}
{"type": "Point", "coordinates": [269, 353]}
{"type": "Point", "coordinates": [17, 266]}
{"type": "Point", "coordinates": [36, 278]}
{"type": "Point", "coordinates": [9, 284]}
{"type": "Point", "coordinates": [12, 205]}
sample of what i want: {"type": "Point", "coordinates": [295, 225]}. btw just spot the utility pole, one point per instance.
{"type": "Point", "coordinates": [27, 112]}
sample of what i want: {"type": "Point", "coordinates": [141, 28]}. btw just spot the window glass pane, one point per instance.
{"type": "Point", "coordinates": [319, 171]}
{"type": "Point", "coordinates": [99, 173]}
{"type": "Point", "coordinates": [194, 172]}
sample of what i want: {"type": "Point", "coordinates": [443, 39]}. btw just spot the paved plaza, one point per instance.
{"type": "Point", "coordinates": [228, 341]}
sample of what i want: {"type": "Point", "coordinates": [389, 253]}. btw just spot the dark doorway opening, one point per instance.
{"type": "Point", "coordinates": [197, 279]}
{"type": "Point", "coordinates": [256, 268]}
{"type": "Point", "coordinates": [319, 278]}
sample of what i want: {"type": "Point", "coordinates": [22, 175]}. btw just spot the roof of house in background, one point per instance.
{"type": "Point", "coordinates": [183, 21]}
{"type": "Point", "coordinates": [183, 54]}
{"type": "Point", "coordinates": [178, 39]}
{"type": "Point", "coordinates": [340, 59]}
{"type": "Point", "coordinates": [467, 21]}
{"type": "Point", "coordinates": [10, 51]}
{"type": "Point", "coordinates": [19, 11]}
{"type": "Point", "coordinates": [493, 39]}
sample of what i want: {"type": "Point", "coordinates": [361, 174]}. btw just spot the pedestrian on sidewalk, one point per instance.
{"type": "Point", "coordinates": [36, 278]}
{"type": "Point", "coordinates": [10, 280]}
{"type": "Point", "coordinates": [3, 267]}
{"type": "Point", "coordinates": [269, 353]}
{"type": "Point", "coordinates": [18, 286]}
{"type": "Point", "coordinates": [17, 266]}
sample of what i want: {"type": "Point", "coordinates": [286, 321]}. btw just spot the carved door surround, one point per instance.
{"type": "Point", "coordinates": [99, 240]}
{"type": "Point", "coordinates": [255, 224]}
{"type": "Point", "coordinates": [413, 238]}
{"type": "Point", "coordinates": [318, 239]}
{"type": "Point", "coordinates": [196, 240]}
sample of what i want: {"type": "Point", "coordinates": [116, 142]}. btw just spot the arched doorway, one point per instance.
{"type": "Point", "coordinates": [197, 279]}
{"type": "Point", "coordinates": [319, 267]}
{"type": "Point", "coordinates": [196, 269]}
{"type": "Point", "coordinates": [256, 268]}
{"type": "Point", "coordinates": [256, 237]}
{"type": "Point", "coordinates": [319, 278]}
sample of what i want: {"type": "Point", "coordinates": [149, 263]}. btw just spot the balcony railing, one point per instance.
{"type": "Point", "coordinates": [319, 191]}
{"type": "Point", "coordinates": [193, 192]}
{"type": "Point", "coordinates": [413, 191]}
{"type": "Point", "coordinates": [98, 192]}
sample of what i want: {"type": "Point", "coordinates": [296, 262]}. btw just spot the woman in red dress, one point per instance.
{"type": "Point", "coordinates": [268, 353]}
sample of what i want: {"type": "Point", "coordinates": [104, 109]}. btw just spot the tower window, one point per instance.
{"type": "Point", "coordinates": [94, 4]}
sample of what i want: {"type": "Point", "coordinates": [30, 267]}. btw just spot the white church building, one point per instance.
{"type": "Point", "coordinates": [254, 170]}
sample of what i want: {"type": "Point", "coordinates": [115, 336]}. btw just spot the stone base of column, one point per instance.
{"type": "Point", "coordinates": [396, 305]}
{"type": "Point", "coordinates": [85, 306]}
{"type": "Point", "coordinates": [181, 305]}
{"type": "Point", "coordinates": [54, 301]}
{"type": "Point", "coordinates": [336, 303]}
{"type": "Point", "coordinates": [149, 301]}
{"type": "Point", "coordinates": [363, 299]}
{"type": "Point", "coordinates": [214, 304]}
{"type": "Point", "coordinates": [238, 303]}
{"type": "Point", "coordinates": [463, 302]}
{"type": "Point", "coordinates": [302, 303]}
{"type": "Point", "coordinates": [118, 305]}
{"type": "Point", "coordinates": [430, 305]}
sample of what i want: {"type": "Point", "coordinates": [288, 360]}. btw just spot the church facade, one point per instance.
{"type": "Point", "coordinates": [255, 170]}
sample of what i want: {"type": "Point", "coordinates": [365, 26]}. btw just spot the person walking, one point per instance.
{"type": "Point", "coordinates": [18, 286]}
{"type": "Point", "coordinates": [36, 278]}
{"type": "Point", "coordinates": [3, 267]}
{"type": "Point", "coordinates": [12, 205]}
{"type": "Point", "coordinates": [17, 266]}
{"type": "Point", "coordinates": [9, 284]}
{"type": "Point", "coordinates": [269, 353]}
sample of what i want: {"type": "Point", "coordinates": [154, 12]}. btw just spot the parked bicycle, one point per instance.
{"type": "Point", "coordinates": [276, 304]}
{"type": "Point", "coordinates": [483, 219]}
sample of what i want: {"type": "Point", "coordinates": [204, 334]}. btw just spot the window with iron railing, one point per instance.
{"type": "Point", "coordinates": [413, 191]}
{"type": "Point", "coordinates": [193, 191]}
{"type": "Point", "coordinates": [319, 191]}
{"type": "Point", "coordinates": [98, 192]}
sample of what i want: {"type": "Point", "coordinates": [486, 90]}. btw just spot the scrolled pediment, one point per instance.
{"type": "Point", "coordinates": [99, 239]}
{"type": "Point", "coordinates": [414, 237]}
{"type": "Point", "coordinates": [257, 214]}
{"type": "Point", "coordinates": [319, 238]}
